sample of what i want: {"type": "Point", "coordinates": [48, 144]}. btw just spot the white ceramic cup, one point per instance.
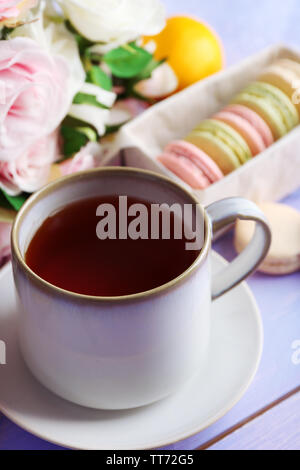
{"type": "Point", "coordinates": [124, 352]}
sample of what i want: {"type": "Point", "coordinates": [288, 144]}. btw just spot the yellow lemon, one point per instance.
{"type": "Point", "coordinates": [191, 48]}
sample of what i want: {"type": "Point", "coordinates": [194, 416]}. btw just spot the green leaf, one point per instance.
{"type": "Point", "coordinates": [149, 69]}
{"type": "Point", "coordinates": [56, 19]}
{"type": "Point", "coordinates": [3, 200]}
{"type": "Point", "coordinates": [98, 77]}
{"type": "Point", "coordinates": [16, 202]}
{"type": "Point", "coordinates": [144, 75]}
{"type": "Point", "coordinates": [84, 98]}
{"type": "Point", "coordinates": [73, 140]}
{"type": "Point", "coordinates": [83, 43]}
{"type": "Point", "coordinates": [127, 61]}
{"type": "Point", "coordinates": [5, 32]}
{"type": "Point", "coordinates": [89, 133]}
{"type": "Point", "coordinates": [115, 128]}
{"type": "Point", "coordinates": [70, 121]}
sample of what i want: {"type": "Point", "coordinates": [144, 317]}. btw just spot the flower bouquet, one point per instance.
{"type": "Point", "coordinates": [71, 72]}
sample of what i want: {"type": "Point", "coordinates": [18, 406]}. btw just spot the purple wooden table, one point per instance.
{"type": "Point", "coordinates": [268, 417]}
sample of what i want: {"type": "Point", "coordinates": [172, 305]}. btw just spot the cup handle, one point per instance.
{"type": "Point", "coordinates": [223, 214]}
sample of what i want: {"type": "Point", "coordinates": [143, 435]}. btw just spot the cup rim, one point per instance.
{"type": "Point", "coordinates": [51, 187]}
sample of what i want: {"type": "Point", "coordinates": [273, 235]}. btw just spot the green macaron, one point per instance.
{"type": "Point", "coordinates": [274, 106]}
{"type": "Point", "coordinates": [222, 143]}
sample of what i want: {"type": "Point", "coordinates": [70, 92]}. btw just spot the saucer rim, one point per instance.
{"type": "Point", "coordinates": [184, 435]}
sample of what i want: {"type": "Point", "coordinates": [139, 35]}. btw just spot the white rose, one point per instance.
{"type": "Point", "coordinates": [97, 117]}
{"type": "Point", "coordinates": [115, 22]}
{"type": "Point", "coordinates": [58, 41]}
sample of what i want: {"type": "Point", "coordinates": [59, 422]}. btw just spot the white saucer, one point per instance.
{"type": "Point", "coordinates": [236, 348]}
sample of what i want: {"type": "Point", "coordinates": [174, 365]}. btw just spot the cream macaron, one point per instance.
{"type": "Point", "coordinates": [284, 255]}
{"type": "Point", "coordinates": [285, 75]}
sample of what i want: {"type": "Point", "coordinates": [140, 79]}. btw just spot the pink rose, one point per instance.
{"type": "Point", "coordinates": [31, 170]}
{"type": "Point", "coordinates": [33, 98]}
{"type": "Point", "coordinates": [8, 9]}
{"type": "Point", "coordinates": [87, 158]}
{"type": "Point", "coordinates": [5, 229]}
{"type": "Point", "coordinates": [12, 10]}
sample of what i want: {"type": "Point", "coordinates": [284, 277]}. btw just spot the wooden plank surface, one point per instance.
{"type": "Point", "coordinates": [277, 429]}
{"type": "Point", "coordinates": [12, 437]}
{"type": "Point", "coordinates": [278, 298]}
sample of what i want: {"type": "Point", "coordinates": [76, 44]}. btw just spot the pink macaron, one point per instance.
{"type": "Point", "coordinates": [190, 164]}
{"type": "Point", "coordinates": [254, 120]}
{"type": "Point", "coordinates": [245, 129]}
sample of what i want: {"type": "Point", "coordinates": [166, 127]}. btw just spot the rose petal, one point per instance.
{"type": "Point", "coordinates": [113, 22]}
{"type": "Point", "coordinates": [30, 171]}
{"type": "Point", "coordinates": [86, 159]}
{"type": "Point", "coordinates": [35, 101]}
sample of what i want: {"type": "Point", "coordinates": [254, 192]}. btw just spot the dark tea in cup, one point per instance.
{"type": "Point", "coordinates": [67, 252]}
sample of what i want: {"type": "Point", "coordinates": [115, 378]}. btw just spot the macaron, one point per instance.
{"type": "Point", "coordinates": [284, 255]}
{"type": "Point", "coordinates": [272, 104]}
{"type": "Point", "coordinates": [255, 120]}
{"type": "Point", "coordinates": [245, 129]}
{"type": "Point", "coordinates": [190, 164]}
{"type": "Point", "coordinates": [285, 75]}
{"type": "Point", "coordinates": [222, 143]}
